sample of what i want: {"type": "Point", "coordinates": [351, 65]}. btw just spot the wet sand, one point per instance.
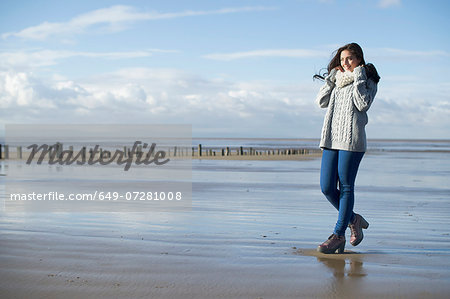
{"type": "Point", "coordinates": [251, 233]}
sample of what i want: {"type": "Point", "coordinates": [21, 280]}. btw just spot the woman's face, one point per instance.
{"type": "Point", "coordinates": [349, 61]}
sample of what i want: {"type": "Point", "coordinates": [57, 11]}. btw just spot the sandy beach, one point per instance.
{"type": "Point", "coordinates": [252, 232]}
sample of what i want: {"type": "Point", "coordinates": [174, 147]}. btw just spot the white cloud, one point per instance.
{"type": "Point", "coordinates": [411, 109]}
{"type": "Point", "coordinates": [38, 58]}
{"type": "Point", "coordinates": [228, 107]}
{"type": "Point", "coordinates": [19, 88]}
{"type": "Point", "coordinates": [154, 95]}
{"type": "Point", "coordinates": [296, 53]}
{"type": "Point", "coordinates": [22, 91]}
{"type": "Point", "coordinates": [406, 54]}
{"type": "Point", "coordinates": [389, 3]}
{"type": "Point", "coordinates": [33, 58]}
{"type": "Point", "coordinates": [114, 18]}
{"type": "Point", "coordinates": [306, 53]}
{"type": "Point", "coordinates": [388, 53]}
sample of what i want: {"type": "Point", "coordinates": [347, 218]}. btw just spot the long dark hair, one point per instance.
{"type": "Point", "coordinates": [356, 50]}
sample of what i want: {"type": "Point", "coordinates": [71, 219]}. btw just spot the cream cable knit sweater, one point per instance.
{"type": "Point", "coordinates": [346, 117]}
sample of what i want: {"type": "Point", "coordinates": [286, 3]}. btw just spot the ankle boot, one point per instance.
{"type": "Point", "coordinates": [333, 243]}
{"type": "Point", "coordinates": [356, 227]}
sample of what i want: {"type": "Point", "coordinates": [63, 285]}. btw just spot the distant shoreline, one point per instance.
{"type": "Point", "coordinates": [318, 139]}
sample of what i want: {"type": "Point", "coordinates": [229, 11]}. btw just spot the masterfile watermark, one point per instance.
{"type": "Point", "coordinates": [97, 168]}
{"type": "Point", "coordinates": [96, 155]}
{"type": "Point", "coordinates": [97, 195]}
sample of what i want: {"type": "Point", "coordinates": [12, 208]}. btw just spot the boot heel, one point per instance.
{"type": "Point", "coordinates": [333, 244]}
{"type": "Point", "coordinates": [364, 223]}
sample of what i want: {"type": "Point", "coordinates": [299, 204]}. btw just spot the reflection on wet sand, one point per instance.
{"type": "Point", "coordinates": [346, 272]}
{"type": "Point", "coordinates": [347, 275]}
{"type": "Point", "coordinates": [337, 262]}
{"type": "Point", "coordinates": [338, 266]}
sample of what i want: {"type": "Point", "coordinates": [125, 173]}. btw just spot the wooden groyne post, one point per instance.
{"type": "Point", "coordinates": [19, 152]}
{"type": "Point", "coordinates": [250, 151]}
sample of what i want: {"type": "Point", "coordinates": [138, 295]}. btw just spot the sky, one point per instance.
{"type": "Point", "coordinates": [228, 68]}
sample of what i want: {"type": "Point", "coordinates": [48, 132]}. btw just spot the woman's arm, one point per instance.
{"type": "Point", "coordinates": [364, 91]}
{"type": "Point", "coordinates": [323, 97]}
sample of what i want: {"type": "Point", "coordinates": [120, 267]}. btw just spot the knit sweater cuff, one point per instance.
{"type": "Point", "coordinates": [331, 77]}
{"type": "Point", "coordinates": [360, 73]}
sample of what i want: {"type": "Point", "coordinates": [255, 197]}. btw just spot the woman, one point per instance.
{"type": "Point", "coordinates": [349, 89]}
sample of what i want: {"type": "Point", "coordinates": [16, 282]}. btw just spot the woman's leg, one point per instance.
{"type": "Point", "coordinates": [329, 176]}
{"type": "Point", "coordinates": [348, 163]}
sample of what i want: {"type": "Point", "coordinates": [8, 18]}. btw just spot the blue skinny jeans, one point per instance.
{"type": "Point", "coordinates": [337, 181]}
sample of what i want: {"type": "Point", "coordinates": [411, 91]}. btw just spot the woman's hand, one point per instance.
{"type": "Point", "coordinates": [339, 68]}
